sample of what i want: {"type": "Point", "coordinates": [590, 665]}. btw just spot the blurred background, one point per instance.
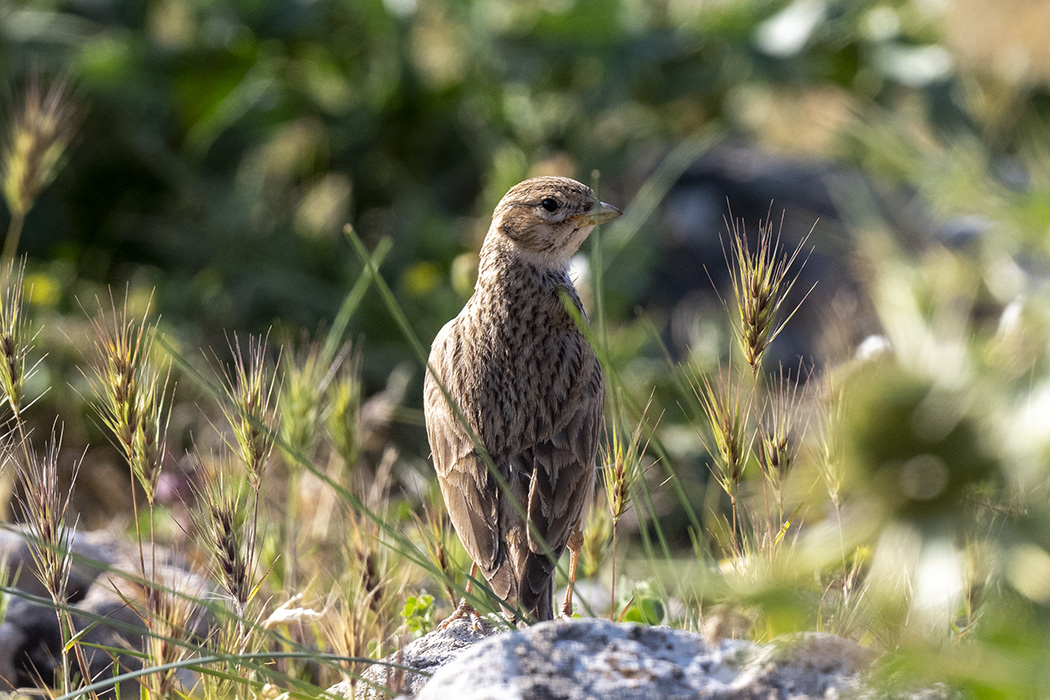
{"type": "Point", "coordinates": [216, 149]}
{"type": "Point", "coordinates": [220, 146]}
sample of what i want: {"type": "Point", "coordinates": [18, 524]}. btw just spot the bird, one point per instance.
{"type": "Point", "coordinates": [512, 378]}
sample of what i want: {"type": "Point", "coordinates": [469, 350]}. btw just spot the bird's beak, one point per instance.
{"type": "Point", "coordinates": [602, 213]}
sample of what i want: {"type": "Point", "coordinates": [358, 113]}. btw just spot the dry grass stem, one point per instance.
{"type": "Point", "coordinates": [226, 526]}
{"type": "Point", "coordinates": [762, 280]}
{"type": "Point", "coordinates": [251, 405]}
{"type": "Point", "coordinates": [39, 133]}
{"type": "Point", "coordinates": [727, 410]}
{"type": "Point", "coordinates": [15, 342]}
{"type": "Point", "coordinates": [130, 393]}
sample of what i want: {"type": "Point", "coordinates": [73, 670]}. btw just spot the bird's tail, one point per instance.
{"type": "Point", "coordinates": [526, 583]}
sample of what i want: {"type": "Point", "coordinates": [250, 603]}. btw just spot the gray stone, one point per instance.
{"type": "Point", "coordinates": [91, 554]}
{"type": "Point", "coordinates": [99, 596]}
{"type": "Point", "coordinates": [593, 659]}
{"type": "Point", "coordinates": [425, 655]}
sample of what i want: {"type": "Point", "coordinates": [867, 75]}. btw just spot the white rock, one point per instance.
{"type": "Point", "coordinates": [590, 658]}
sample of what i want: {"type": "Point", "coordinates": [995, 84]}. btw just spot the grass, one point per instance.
{"type": "Point", "coordinates": [898, 498]}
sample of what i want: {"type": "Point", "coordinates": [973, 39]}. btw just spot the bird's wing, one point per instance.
{"type": "Point", "coordinates": [563, 466]}
{"type": "Point", "coordinates": [470, 491]}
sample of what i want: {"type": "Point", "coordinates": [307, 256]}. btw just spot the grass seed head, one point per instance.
{"type": "Point", "coordinates": [781, 431]}
{"type": "Point", "coordinates": [727, 411]}
{"type": "Point", "coordinates": [304, 380]}
{"type": "Point", "coordinates": [226, 527]}
{"type": "Point", "coordinates": [15, 340]}
{"type": "Point", "coordinates": [130, 394]}
{"type": "Point", "coordinates": [597, 530]}
{"type": "Point", "coordinates": [343, 396]}
{"type": "Point", "coordinates": [45, 507]}
{"type": "Point", "coordinates": [39, 133]}
{"type": "Point", "coordinates": [762, 280]}
{"type": "Point", "coordinates": [622, 460]}
{"type": "Point", "coordinates": [251, 405]}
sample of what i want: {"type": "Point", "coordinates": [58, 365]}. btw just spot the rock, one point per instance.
{"type": "Point", "coordinates": [425, 655]}
{"type": "Point", "coordinates": [30, 642]}
{"type": "Point", "coordinates": [585, 659]}
{"type": "Point", "coordinates": [92, 553]}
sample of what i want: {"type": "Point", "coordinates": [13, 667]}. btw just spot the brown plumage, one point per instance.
{"type": "Point", "coordinates": [529, 386]}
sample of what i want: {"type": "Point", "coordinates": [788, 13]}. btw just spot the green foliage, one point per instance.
{"type": "Point", "coordinates": [644, 606]}
{"type": "Point", "coordinates": [418, 613]}
{"type": "Point", "coordinates": [213, 152]}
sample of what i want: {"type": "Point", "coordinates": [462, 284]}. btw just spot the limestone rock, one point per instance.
{"type": "Point", "coordinates": [425, 655]}
{"type": "Point", "coordinates": [586, 659]}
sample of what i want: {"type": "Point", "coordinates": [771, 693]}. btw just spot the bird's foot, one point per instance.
{"type": "Point", "coordinates": [567, 605]}
{"type": "Point", "coordinates": [467, 610]}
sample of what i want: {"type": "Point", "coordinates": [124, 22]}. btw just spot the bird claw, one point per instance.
{"type": "Point", "coordinates": [467, 610]}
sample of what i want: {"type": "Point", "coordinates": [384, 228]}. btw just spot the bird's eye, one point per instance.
{"type": "Point", "coordinates": [549, 204]}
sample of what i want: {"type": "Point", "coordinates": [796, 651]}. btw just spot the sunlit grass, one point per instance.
{"type": "Point", "coordinates": [897, 497]}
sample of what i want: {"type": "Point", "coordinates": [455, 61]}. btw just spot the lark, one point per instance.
{"type": "Point", "coordinates": [529, 386]}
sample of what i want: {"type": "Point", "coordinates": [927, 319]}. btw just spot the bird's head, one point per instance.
{"type": "Point", "coordinates": [549, 217]}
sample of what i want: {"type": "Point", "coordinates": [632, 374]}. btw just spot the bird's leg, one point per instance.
{"type": "Point", "coordinates": [575, 543]}
{"type": "Point", "coordinates": [465, 609]}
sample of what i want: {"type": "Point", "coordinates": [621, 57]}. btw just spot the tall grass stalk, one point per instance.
{"type": "Point", "coordinates": [762, 279]}
{"type": "Point", "coordinates": [781, 431]}
{"type": "Point", "coordinates": [38, 134]}
{"type": "Point", "coordinates": [131, 400]}
{"type": "Point", "coordinates": [620, 474]}
{"type": "Point", "coordinates": [727, 407]}
{"type": "Point", "coordinates": [45, 508]}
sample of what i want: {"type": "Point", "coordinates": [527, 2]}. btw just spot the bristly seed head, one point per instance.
{"type": "Point", "coordinates": [727, 411]}
{"type": "Point", "coordinates": [761, 281]}
{"type": "Point", "coordinates": [15, 340]}
{"type": "Point", "coordinates": [39, 133]}
{"type": "Point", "coordinates": [781, 431]}
{"type": "Point", "coordinates": [252, 396]}
{"type": "Point", "coordinates": [130, 394]}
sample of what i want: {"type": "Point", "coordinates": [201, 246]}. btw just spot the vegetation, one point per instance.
{"type": "Point", "coordinates": [178, 175]}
